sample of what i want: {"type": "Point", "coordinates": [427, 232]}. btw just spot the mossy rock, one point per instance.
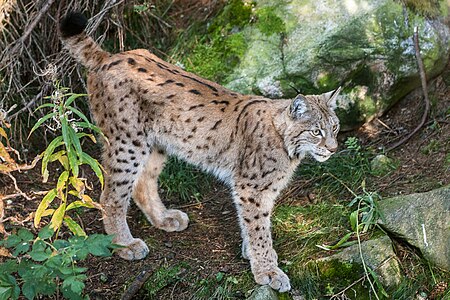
{"type": "Point", "coordinates": [266, 46]}
{"type": "Point", "coordinates": [423, 221]}
{"type": "Point", "coordinates": [345, 268]}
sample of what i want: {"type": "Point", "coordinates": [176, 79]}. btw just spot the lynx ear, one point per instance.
{"type": "Point", "coordinates": [331, 98]}
{"type": "Point", "coordinates": [298, 107]}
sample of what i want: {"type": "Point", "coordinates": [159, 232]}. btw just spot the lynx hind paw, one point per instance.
{"type": "Point", "coordinates": [174, 220]}
{"type": "Point", "coordinates": [275, 278]}
{"type": "Point", "coordinates": [136, 250]}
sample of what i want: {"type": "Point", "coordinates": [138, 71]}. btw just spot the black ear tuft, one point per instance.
{"type": "Point", "coordinates": [73, 24]}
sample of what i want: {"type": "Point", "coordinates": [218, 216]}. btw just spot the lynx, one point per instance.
{"type": "Point", "coordinates": [149, 109]}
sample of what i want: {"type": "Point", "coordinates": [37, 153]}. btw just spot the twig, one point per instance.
{"type": "Point", "coordinates": [423, 80]}
{"type": "Point", "coordinates": [11, 196]}
{"type": "Point", "coordinates": [17, 188]}
{"type": "Point", "coordinates": [136, 285]}
{"type": "Point", "coordinates": [28, 105]}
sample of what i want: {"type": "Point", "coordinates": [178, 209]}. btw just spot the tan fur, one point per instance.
{"type": "Point", "coordinates": [149, 108]}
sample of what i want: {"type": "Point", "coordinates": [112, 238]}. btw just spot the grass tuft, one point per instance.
{"type": "Point", "coordinates": [184, 181]}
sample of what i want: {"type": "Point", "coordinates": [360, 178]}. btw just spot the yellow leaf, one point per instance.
{"type": "Point", "coordinates": [89, 200]}
{"type": "Point", "coordinates": [77, 204]}
{"type": "Point", "coordinates": [62, 181]}
{"type": "Point", "coordinates": [3, 133]}
{"type": "Point", "coordinates": [4, 252]}
{"type": "Point", "coordinates": [58, 216]}
{"type": "Point", "coordinates": [43, 206]}
{"type": "Point", "coordinates": [78, 184]}
{"type": "Point", "coordinates": [48, 212]}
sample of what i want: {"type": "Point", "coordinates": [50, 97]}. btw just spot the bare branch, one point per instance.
{"type": "Point", "coordinates": [423, 80]}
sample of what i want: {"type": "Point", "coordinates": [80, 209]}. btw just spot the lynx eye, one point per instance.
{"type": "Point", "coordinates": [335, 127]}
{"type": "Point", "coordinates": [316, 132]}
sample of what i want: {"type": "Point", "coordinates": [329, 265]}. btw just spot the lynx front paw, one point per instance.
{"type": "Point", "coordinates": [275, 278]}
{"type": "Point", "coordinates": [174, 220]}
{"type": "Point", "coordinates": [244, 251]}
{"type": "Point", "coordinates": [137, 249]}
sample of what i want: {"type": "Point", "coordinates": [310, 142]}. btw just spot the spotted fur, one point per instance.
{"type": "Point", "coordinates": [149, 109]}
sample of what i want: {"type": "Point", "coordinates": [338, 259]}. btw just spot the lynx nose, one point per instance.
{"type": "Point", "coordinates": [332, 149]}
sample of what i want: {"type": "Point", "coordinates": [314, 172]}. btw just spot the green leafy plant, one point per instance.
{"type": "Point", "coordinates": [40, 267]}
{"type": "Point", "coordinates": [362, 219]}
{"type": "Point", "coordinates": [367, 211]}
{"type": "Point", "coordinates": [67, 150]}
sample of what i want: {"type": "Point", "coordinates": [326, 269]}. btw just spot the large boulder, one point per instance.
{"type": "Point", "coordinates": [317, 45]}
{"type": "Point", "coordinates": [423, 221]}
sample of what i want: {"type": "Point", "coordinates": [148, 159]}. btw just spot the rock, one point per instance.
{"type": "Point", "coordinates": [378, 255]}
{"type": "Point", "coordinates": [381, 165]}
{"type": "Point", "coordinates": [318, 45]}
{"type": "Point", "coordinates": [263, 292]}
{"type": "Point", "coordinates": [423, 221]}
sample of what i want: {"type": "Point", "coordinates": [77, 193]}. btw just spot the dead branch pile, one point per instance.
{"type": "Point", "coordinates": [31, 56]}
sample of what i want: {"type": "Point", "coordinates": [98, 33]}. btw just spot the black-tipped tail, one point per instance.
{"type": "Point", "coordinates": [73, 24]}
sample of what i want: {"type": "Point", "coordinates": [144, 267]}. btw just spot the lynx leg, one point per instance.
{"type": "Point", "coordinates": [146, 196]}
{"type": "Point", "coordinates": [254, 210]}
{"type": "Point", "coordinates": [115, 200]}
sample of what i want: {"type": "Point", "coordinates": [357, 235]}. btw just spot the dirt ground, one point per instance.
{"type": "Point", "coordinates": [211, 243]}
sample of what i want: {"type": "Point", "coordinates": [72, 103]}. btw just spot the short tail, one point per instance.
{"type": "Point", "coordinates": [81, 46]}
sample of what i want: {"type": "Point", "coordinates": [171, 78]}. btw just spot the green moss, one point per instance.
{"type": "Point", "coordinates": [288, 85]}
{"type": "Point", "coordinates": [327, 81]}
{"type": "Point", "coordinates": [268, 22]}
{"type": "Point", "coordinates": [334, 276]}
{"type": "Point", "coordinates": [218, 50]}
{"type": "Point", "coordinates": [428, 8]}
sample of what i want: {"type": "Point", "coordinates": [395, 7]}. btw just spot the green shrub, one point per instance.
{"type": "Point", "coordinates": [41, 267]}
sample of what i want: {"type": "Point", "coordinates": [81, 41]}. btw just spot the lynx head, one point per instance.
{"type": "Point", "coordinates": [312, 126]}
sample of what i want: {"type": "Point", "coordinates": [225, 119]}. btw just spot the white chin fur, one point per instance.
{"type": "Point", "coordinates": [320, 158]}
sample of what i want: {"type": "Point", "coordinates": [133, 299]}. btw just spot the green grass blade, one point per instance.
{"type": "Point", "coordinates": [75, 140]}
{"type": "Point", "coordinates": [45, 105]}
{"type": "Point", "coordinates": [78, 113]}
{"type": "Point", "coordinates": [65, 132]}
{"type": "Point", "coordinates": [72, 98]}
{"type": "Point", "coordinates": [47, 154]}
{"type": "Point", "coordinates": [40, 121]}
{"type": "Point", "coordinates": [83, 124]}
{"type": "Point", "coordinates": [73, 161]}
{"type": "Point", "coordinates": [92, 137]}
{"type": "Point", "coordinates": [95, 165]}
{"type": "Point", "coordinates": [73, 226]}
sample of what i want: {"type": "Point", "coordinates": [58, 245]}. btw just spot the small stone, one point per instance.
{"type": "Point", "coordinates": [381, 165]}
{"type": "Point", "coordinates": [103, 277]}
{"type": "Point", "coordinates": [263, 292]}
{"type": "Point", "coordinates": [168, 244]}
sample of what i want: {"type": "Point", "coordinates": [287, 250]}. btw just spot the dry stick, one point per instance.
{"type": "Point", "coordinates": [29, 104]}
{"type": "Point", "coordinates": [136, 285]}
{"type": "Point", "coordinates": [424, 89]}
